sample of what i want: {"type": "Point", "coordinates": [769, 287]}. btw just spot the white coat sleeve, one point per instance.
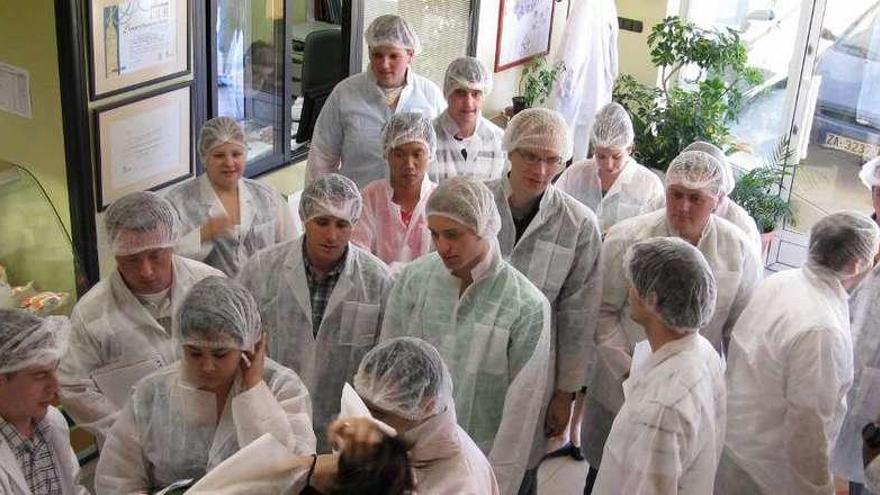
{"type": "Point", "coordinates": [577, 312]}
{"type": "Point", "coordinates": [190, 245]}
{"type": "Point", "coordinates": [81, 398]}
{"type": "Point", "coordinates": [612, 346]}
{"type": "Point", "coordinates": [813, 394]}
{"type": "Point", "coordinates": [752, 273]}
{"type": "Point", "coordinates": [325, 148]}
{"type": "Point", "coordinates": [285, 227]}
{"type": "Point", "coordinates": [286, 414]}
{"type": "Point", "coordinates": [398, 308]}
{"type": "Point", "coordinates": [121, 466]}
{"type": "Point", "coordinates": [529, 359]}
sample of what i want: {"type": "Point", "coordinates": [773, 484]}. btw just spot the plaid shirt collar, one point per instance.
{"type": "Point", "coordinates": [333, 274]}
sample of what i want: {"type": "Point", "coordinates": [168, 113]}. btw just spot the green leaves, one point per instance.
{"type": "Point", "coordinates": [759, 191]}
{"type": "Point", "coordinates": [537, 78]}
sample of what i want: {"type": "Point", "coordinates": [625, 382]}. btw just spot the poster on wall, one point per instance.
{"type": "Point", "coordinates": [524, 30]}
{"type": "Point", "coordinates": [143, 144]}
{"type": "Point", "coordinates": [136, 42]}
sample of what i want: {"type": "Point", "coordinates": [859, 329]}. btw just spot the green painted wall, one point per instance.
{"type": "Point", "coordinates": [29, 248]}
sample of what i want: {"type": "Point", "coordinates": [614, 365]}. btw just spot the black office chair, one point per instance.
{"type": "Point", "coordinates": [321, 71]}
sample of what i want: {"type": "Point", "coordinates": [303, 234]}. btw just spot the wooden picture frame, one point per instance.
{"type": "Point", "coordinates": [525, 28]}
{"type": "Point", "coordinates": [144, 143]}
{"type": "Point", "coordinates": [134, 43]}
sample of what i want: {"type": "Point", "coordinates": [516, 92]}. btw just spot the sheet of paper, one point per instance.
{"type": "Point", "coordinates": [145, 33]}
{"type": "Point", "coordinates": [116, 381]}
{"type": "Point", "coordinates": [141, 145]}
{"type": "Point", "coordinates": [15, 90]}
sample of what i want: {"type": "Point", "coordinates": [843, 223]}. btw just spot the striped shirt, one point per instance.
{"type": "Point", "coordinates": [35, 458]}
{"type": "Point", "coordinates": [479, 155]}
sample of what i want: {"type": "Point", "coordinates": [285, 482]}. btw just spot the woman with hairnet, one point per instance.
{"type": "Point", "coordinates": [490, 324]}
{"type": "Point", "coordinates": [467, 143]}
{"type": "Point", "coordinates": [124, 327]}
{"type": "Point", "coordinates": [225, 217]}
{"type": "Point", "coordinates": [346, 136]}
{"type": "Point", "coordinates": [554, 240]}
{"type": "Point", "coordinates": [791, 365]}
{"type": "Point", "coordinates": [35, 453]}
{"type": "Point", "coordinates": [321, 296]}
{"type": "Point", "coordinates": [727, 208]}
{"type": "Point", "coordinates": [612, 183]}
{"type": "Point", "coordinates": [694, 182]}
{"type": "Point", "coordinates": [225, 393]}
{"type": "Point", "coordinates": [667, 437]}
{"type": "Point", "coordinates": [864, 319]}
{"type": "Point", "coordinates": [393, 225]}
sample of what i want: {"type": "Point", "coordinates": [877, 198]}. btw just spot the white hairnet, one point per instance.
{"type": "Point", "coordinates": [715, 151]}
{"type": "Point", "coordinates": [27, 340]}
{"type": "Point", "coordinates": [467, 73]}
{"type": "Point", "coordinates": [409, 127]}
{"type": "Point", "coordinates": [612, 128]}
{"type": "Point", "coordinates": [406, 377]}
{"type": "Point", "coordinates": [467, 201]}
{"type": "Point", "coordinates": [218, 131]}
{"type": "Point", "coordinates": [539, 128]}
{"type": "Point", "coordinates": [392, 30]}
{"type": "Point", "coordinates": [870, 173]}
{"type": "Point", "coordinates": [696, 170]}
{"type": "Point", "coordinates": [219, 313]}
{"type": "Point", "coordinates": [331, 194]}
{"type": "Point", "coordinates": [840, 238]}
{"type": "Point", "coordinates": [140, 221]}
{"type": "Point", "coordinates": [678, 274]}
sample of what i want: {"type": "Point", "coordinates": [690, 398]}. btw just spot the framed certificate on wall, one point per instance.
{"type": "Point", "coordinates": [143, 144]}
{"type": "Point", "coordinates": [137, 42]}
{"type": "Point", "coordinates": [524, 30]}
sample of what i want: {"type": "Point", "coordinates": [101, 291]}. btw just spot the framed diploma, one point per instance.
{"type": "Point", "coordinates": [524, 30]}
{"type": "Point", "coordinates": [137, 42]}
{"type": "Point", "coordinates": [143, 144]}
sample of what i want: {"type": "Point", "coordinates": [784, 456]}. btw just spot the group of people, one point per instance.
{"type": "Point", "coordinates": [452, 305]}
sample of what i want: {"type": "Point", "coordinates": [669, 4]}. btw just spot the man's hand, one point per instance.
{"type": "Point", "coordinates": [216, 227]}
{"type": "Point", "coordinates": [558, 414]}
{"type": "Point", "coordinates": [357, 438]}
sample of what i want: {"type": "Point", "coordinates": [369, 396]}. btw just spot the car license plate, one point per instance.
{"type": "Point", "coordinates": [851, 146]}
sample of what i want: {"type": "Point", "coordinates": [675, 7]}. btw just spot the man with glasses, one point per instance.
{"type": "Point", "coordinates": [554, 240]}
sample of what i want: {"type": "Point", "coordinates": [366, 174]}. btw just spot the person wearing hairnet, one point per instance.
{"type": "Point", "coordinates": [348, 129]}
{"type": "Point", "coordinates": [35, 452]}
{"type": "Point", "coordinates": [694, 181]}
{"type": "Point", "coordinates": [490, 324]}
{"type": "Point", "coordinates": [791, 365]}
{"type": "Point", "coordinates": [668, 436]}
{"type": "Point", "coordinates": [554, 240]}
{"type": "Point", "coordinates": [727, 208]}
{"type": "Point", "coordinates": [185, 419]}
{"type": "Point", "coordinates": [225, 218]}
{"type": "Point", "coordinates": [124, 326]}
{"type": "Point", "coordinates": [393, 225]}
{"type": "Point", "coordinates": [467, 143]}
{"type": "Point", "coordinates": [864, 313]}
{"type": "Point", "coordinates": [407, 386]}
{"type": "Point", "coordinates": [321, 296]}
{"type": "Point", "coordinates": [612, 183]}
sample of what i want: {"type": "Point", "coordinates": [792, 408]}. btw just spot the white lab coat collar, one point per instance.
{"type": "Point", "coordinates": [626, 176]}
{"type": "Point", "coordinates": [424, 192]}
{"type": "Point", "coordinates": [451, 128]}
{"type": "Point", "coordinates": [707, 229]}
{"type": "Point", "coordinates": [135, 310]}
{"type": "Point", "coordinates": [546, 207]}
{"type": "Point", "coordinates": [488, 266]}
{"type": "Point", "coordinates": [295, 278]}
{"type": "Point", "coordinates": [245, 202]}
{"type": "Point", "coordinates": [656, 358]}
{"type": "Point", "coordinates": [433, 440]}
{"type": "Point", "coordinates": [824, 279]}
{"type": "Point", "coordinates": [404, 95]}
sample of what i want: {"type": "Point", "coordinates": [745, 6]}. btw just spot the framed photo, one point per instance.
{"type": "Point", "coordinates": [137, 42]}
{"type": "Point", "coordinates": [143, 144]}
{"type": "Point", "coordinates": [524, 29]}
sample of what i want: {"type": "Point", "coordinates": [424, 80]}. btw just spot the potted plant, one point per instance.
{"type": "Point", "coordinates": [704, 78]}
{"type": "Point", "coordinates": [759, 192]}
{"type": "Point", "coordinates": [536, 82]}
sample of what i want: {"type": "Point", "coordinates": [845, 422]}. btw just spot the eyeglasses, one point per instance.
{"type": "Point", "coordinates": [534, 160]}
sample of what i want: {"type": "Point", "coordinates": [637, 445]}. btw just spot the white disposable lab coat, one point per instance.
{"type": "Point", "coordinates": [788, 373]}
{"type": "Point", "coordinates": [265, 220]}
{"type": "Point", "coordinates": [589, 52]}
{"type": "Point", "coordinates": [349, 127]}
{"type": "Point", "coordinates": [112, 329]}
{"type": "Point", "coordinates": [12, 481]}
{"type": "Point", "coordinates": [485, 159]}
{"type": "Point", "coordinates": [636, 191]}
{"type": "Point", "coordinates": [669, 433]}
{"type": "Point", "coordinates": [381, 230]}
{"type": "Point", "coordinates": [350, 327]}
{"type": "Point", "coordinates": [495, 339]}
{"type": "Point", "coordinates": [738, 216]}
{"type": "Point", "coordinates": [872, 475]}
{"type": "Point", "coordinates": [169, 430]}
{"type": "Point", "coordinates": [737, 273]}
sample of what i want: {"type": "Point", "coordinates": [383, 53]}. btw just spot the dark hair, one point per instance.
{"type": "Point", "coordinates": [388, 472]}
